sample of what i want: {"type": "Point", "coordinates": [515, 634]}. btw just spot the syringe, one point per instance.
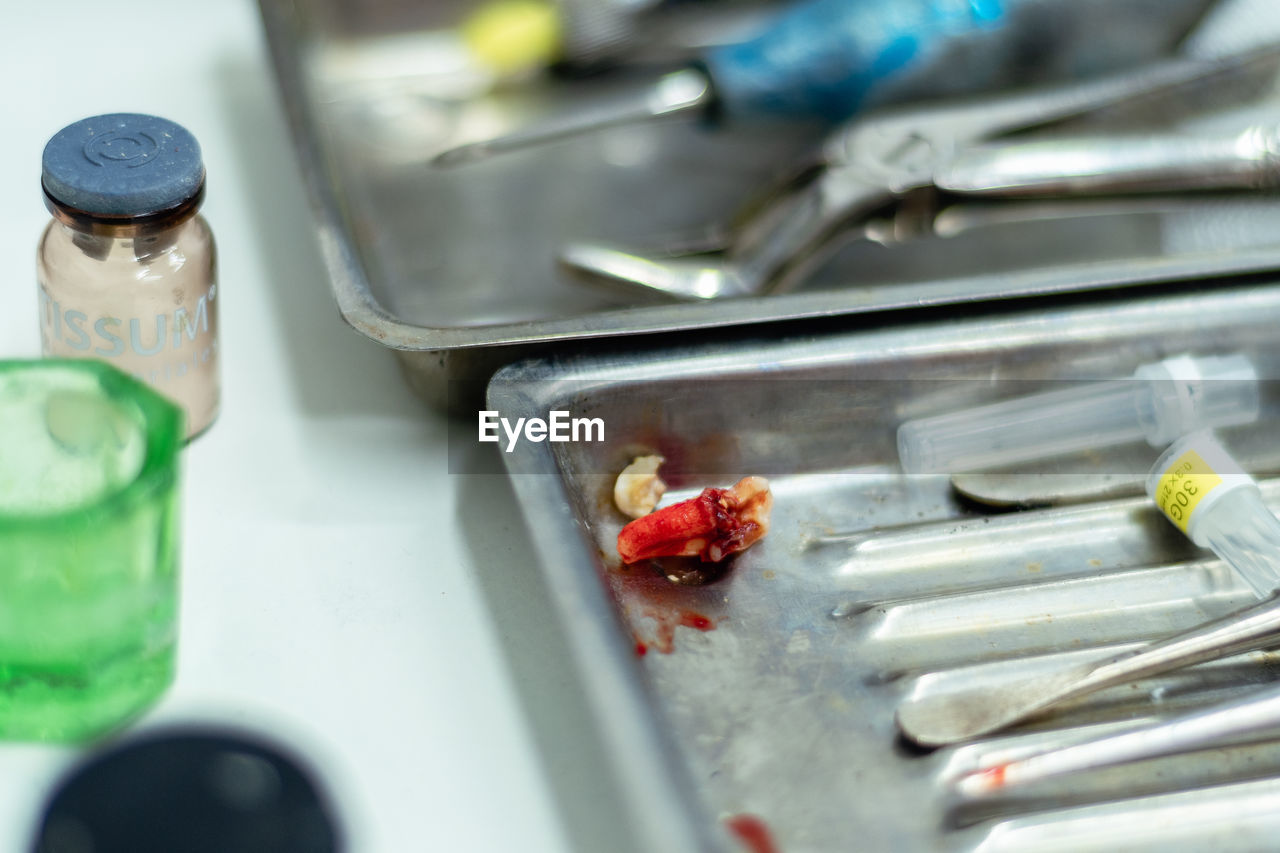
{"type": "Point", "coordinates": [1158, 403]}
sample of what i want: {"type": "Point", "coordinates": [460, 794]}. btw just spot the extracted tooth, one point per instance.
{"type": "Point", "coordinates": [711, 526]}
{"type": "Point", "coordinates": [639, 488]}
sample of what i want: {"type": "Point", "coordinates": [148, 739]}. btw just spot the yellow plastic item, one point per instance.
{"type": "Point", "coordinates": [512, 36]}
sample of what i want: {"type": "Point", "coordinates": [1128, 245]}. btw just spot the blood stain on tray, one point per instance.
{"type": "Point", "coordinates": [654, 607]}
{"type": "Point", "coordinates": [690, 619]}
{"type": "Point", "coordinates": [752, 832]}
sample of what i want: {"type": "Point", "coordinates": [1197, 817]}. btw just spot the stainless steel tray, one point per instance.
{"type": "Point", "coordinates": [455, 269]}
{"type": "Point", "coordinates": [873, 585]}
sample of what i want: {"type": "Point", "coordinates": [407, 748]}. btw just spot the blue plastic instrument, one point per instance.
{"type": "Point", "coordinates": [826, 59]}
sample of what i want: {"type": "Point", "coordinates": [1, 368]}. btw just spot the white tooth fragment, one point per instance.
{"type": "Point", "coordinates": [755, 502]}
{"type": "Point", "coordinates": [639, 488]}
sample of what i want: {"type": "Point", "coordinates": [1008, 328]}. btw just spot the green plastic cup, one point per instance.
{"type": "Point", "coordinates": [88, 547]}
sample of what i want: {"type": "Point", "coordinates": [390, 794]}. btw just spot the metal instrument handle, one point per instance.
{"type": "Point", "coordinates": [1108, 165]}
{"type": "Point", "coordinates": [1237, 632]}
{"type": "Point", "coordinates": [782, 244]}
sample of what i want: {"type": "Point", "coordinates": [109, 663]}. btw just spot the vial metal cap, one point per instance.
{"type": "Point", "coordinates": [122, 164]}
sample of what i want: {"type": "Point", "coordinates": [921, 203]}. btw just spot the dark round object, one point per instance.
{"type": "Point", "coordinates": [192, 792]}
{"type": "Point", "coordinates": [122, 165]}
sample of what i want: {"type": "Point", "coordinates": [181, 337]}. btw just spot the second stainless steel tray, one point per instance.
{"type": "Point", "coordinates": [456, 269]}
{"type": "Point", "coordinates": [771, 691]}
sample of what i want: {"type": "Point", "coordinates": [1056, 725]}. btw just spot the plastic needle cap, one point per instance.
{"type": "Point", "coordinates": [1159, 402]}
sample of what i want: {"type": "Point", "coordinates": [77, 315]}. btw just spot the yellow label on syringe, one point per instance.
{"type": "Point", "coordinates": [1183, 485]}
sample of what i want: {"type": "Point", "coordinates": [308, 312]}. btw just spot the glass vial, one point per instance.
{"type": "Point", "coordinates": [127, 267]}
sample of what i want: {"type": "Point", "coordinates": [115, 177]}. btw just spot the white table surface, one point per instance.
{"type": "Point", "coordinates": [342, 592]}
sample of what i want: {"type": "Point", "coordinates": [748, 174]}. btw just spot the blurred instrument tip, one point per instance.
{"type": "Point", "coordinates": [672, 94]}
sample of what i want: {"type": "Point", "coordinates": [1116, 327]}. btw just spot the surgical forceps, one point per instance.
{"type": "Point", "coordinates": [871, 170]}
